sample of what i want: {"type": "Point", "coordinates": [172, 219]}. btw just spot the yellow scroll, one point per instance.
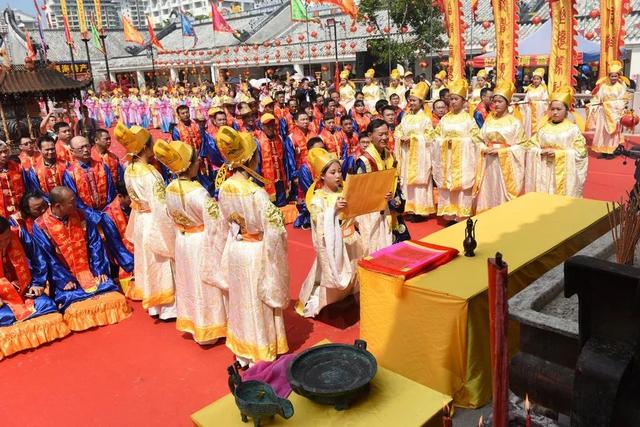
{"type": "Point", "coordinates": [365, 192]}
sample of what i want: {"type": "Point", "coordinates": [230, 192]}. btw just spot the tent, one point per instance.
{"type": "Point", "coordinates": [534, 50]}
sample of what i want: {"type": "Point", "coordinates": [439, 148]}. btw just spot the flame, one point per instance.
{"type": "Point", "coordinates": [481, 421]}
{"type": "Point", "coordinates": [527, 405]}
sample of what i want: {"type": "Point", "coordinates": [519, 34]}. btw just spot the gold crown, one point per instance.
{"type": "Point", "coordinates": [441, 75]}
{"type": "Point", "coordinates": [482, 73]}
{"type": "Point", "coordinates": [344, 74]}
{"type": "Point", "coordinates": [505, 89]}
{"type": "Point", "coordinates": [318, 159]}
{"type": "Point", "coordinates": [370, 73]}
{"type": "Point", "coordinates": [176, 155]}
{"type": "Point", "coordinates": [539, 72]}
{"type": "Point", "coordinates": [563, 94]}
{"type": "Point", "coordinates": [395, 74]}
{"type": "Point", "coordinates": [134, 139]}
{"type": "Point", "coordinates": [459, 87]}
{"type": "Point", "coordinates": [236, 147]}
{"type": "Point", "coordinates": [420, 91]}
{"type": "Point", "coordinates": [615, 67]}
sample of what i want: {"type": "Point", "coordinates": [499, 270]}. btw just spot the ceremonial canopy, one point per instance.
{"type": "Point", "coordinates": [17, 81]}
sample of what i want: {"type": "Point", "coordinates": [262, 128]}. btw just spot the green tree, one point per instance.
{"type": "Point", "coordinates": [422, 23]}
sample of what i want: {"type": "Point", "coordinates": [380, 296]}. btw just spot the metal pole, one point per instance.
{"type": "Point", "coordinates": [104, 52]}
{"type": "Point", "coordinates": [86, 48]}
{"type": "Point", "coordinates": [335, 41]}
{"type": "Point", "coordinates": [73, 63]}
{"type": "Point", "coordinates": [389, 36]}
{"type": "Point", "coordinates": [306, 13]}
{"type": "Point", "coordinates": [153, 68]}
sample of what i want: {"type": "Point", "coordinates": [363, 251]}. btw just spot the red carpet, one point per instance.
{"type": "Point", "coordinates": [143, 372]}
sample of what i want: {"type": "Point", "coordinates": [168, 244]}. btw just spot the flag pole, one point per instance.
{"type": "Point", "coordinates": [73, 62]}
{"type": "Point", "coordinates": [85, 39]}
{"type": "Point", "coordinates": [306, 16]}
{"type": "Point", "coordinates": [104, 52]}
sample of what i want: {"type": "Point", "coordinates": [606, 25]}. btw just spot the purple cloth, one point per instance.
{"type": "Point", "coordinates": [273, 373]}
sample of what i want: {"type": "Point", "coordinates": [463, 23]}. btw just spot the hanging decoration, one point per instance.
{"type": "Point", "coordinates": [505, 13]}
{"type": "Point", "coordinates": [564, 57]}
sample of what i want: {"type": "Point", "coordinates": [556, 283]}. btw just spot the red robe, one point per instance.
{"type": "Point", "coordinates": [272, 154]}
{"type": "Point", "coordinates": [62, 153]}
{"type": "Point", "coordinates": [190, 134]}
{"type": "Point", "coordinates": [49, 176]}
{"type": "Point", "coordinates": [92, 185]}
{"type": "Point", "coordinates": [13, 188]}
{"type": "Point", "coordinates": [332, 142]}
{"type": "Point", "coordinates": [27, 161]}
{"type": "Point", "coordinates": [117, 215]}
{"type": "Point", "coordinates": [14, 270]}
{"type": "Point", "coordinates": [299, 140]}
{"type": "Point", "coordinates": [109, 159]}
{"type": "Point", "coordinates": [362, 121]}
{"type": "Point", "coordinates": [353, 147]}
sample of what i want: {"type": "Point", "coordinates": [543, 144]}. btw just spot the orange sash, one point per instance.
{"type": "Point", "coordinates": [331, 142]}
{"type": "Point", "coordinates": [14, 269]}
{"type": "Point", "coordinates": [49, 176]}
{"type": "Point", "coordinates": [272, 167]}
{"type": "Point", "coordinates": [69, 241]}
{"type": "Point", "coordinates": [91, 184]}
{"type": "Point", "coordinates": [109, 159]}
{"type": "Point", "coordinates": [27, 161]}
{"type": "Point", "coordinates": [190, 135]}
{"type": "Point", "coordinates": [299, 141]}
{"type": "Point", "coordinates": [114, 210]}
{"type": "Point", "coordinates": [12, 187]}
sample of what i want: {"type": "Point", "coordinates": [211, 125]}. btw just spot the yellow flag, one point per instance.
{"type": "Point", "coordinates": [130, 32]}
{"type": "Point", "coordinates": [98, 9]}
{"type": "Point", "coordinates": [82, 20]}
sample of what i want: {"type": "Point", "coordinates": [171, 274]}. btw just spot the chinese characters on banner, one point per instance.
{"type": "Point", "coordinates": [505, 15]}
{"type": "Point", "coordinates": [563, 56]}
{"type": "Point", "coordinates": [612, 14]}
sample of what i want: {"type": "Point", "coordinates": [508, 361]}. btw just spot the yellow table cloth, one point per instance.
{"type": "Point", "coordinates": [434, 328]}
{"type": "Point", "coordinates": [393, 400]}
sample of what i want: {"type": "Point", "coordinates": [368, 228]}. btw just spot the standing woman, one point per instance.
{"type": "Point", "coordinates": [200, 306]}
{"type": "Point", "coordinates": [481, 83]}
{"type": "Point", "coordinates": [455, 156]}
{"type": "Point", "coordinates": [558, 159]}
{"type": "Point", "coordinates": [501, 174]}
{"type": "Point", "coordinates": [607, 108]}
{"type": "Point", "coordinates": [254, 265]}
{"type": "Point", "coordinates": [372, 91]}
{"type": "Point", "coordinates": [347, 91]}
{"type": "Point", "coordinates": [536, 103]}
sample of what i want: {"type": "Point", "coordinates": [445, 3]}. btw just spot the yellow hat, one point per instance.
{"type": "Point", "coordinates": [344, 74]}
{"type": "Point", "coordinates": [133, 90]}
{"type": "Point", "coordinates": [482, 73]}
{"type": "Point", "coordinates": [213, 111]}
{"type": "Point", "coordinates": [615, 67]}
{"type": "Point", "coordinates": [564, 94]}
{"type": "Point", "coordinates": [176, 155]}
{"type": "Point", "coordinates": [408, 73]}
{"type": "Point", "coordinates": [395, 74]}
{"type": "Point", "coordinates": [244, 110]}
{"type": "Point", "coordinates": [420, 91]}
{"type": "Point", "coordinates": [226, 100]}
{"type": "Point", "coordinates": [266, 118]}
{"type": "Point", "coordinates": [90, 92]}
{"type": "Point", "coordinates": [441, 75]}
{"type": "Point", "coordinates": [505, 89]}
{"type": "Point", "coordinates": [267, 100]}
{"type": "Point", "coordinates": [134, 139]}
{"type": "Point", "coordinates": [459, 87]}
{"type": "Point", "coordinates": [370, 73]}
{"type": "Point", "coordinates": [236, 147]}
{"type": "Point", "coordinates": [318, 159]}
{"type": "Point", "coordinates": [539, 72]}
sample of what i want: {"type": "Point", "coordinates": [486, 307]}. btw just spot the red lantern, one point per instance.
{"type": "Point", "coordinates": [589, 35]}
{"type": "Point", "coordinates": [226, 50]}
{"type": "Point", "coordinates": [386, 29]}
{"type": "Point", "coordinates": [343, 45]}
{"type": "Point", "coordinates": [245, 48]}
{"type": "Point", "coordinates": [288, 40]}
{"type": "Point", "coordinates": [301, 37]}
{"type": "Point", "coordinates": [353, 29]}
{"type": "Point", "coordinates": [327, 46]}
{"type": "Point", "coordinates": [278, 42]}
{"type": "Point", "coordinates": [301, 51]}
{"type": "Point", "coordinates": [369, 29]}
{"type": "Point", "coordinates": [594, 13]}
{"type": "Point", "coordinates": [629, 120]}
{"type": "Point", "coordinates": [266, 57]}
{"type": "Point", "coordinates": [404, 29]}
{"type": "Point", "coordinates": [314, 34]}
{"type": "Point", "coordinates": [424, 64]}
{"type": "Point", "coordinates": [201, 53]}
{"type": "Point", "coordinates": [289, 54]}
{"type": "Point", "coordinates": [266, 43]}
{"type": "Point", "coordinates": [486, 24]}
{"type": "Point", "coordinates": [536, 20]}
{"type": "Point", "coordinates": [245, 59]}
{"type": "Point", "coordinates": [256, 58]}
{"type": "Point", "coordinates": [256, 47]}
{"type": "Point", "coordinates": [353, 45]}
{"type": "Point", "coordinates": [484, 42]}
{"type": "Point", "coordinates": [209, 52]}
{"type": "Point", "coordinates": [313, 48]}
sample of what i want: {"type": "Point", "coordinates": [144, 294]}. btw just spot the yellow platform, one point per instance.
{"type": "Point", "coordinates": [434, 328]}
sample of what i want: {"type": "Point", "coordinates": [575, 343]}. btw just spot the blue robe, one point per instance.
{"type": "Point", "coordinates": [38, 268]}
{"type": "Point", "coordinates": [305, 180]}
{"type": "Point", "coordinates": [60, 275]}
{"type": "Point", "coordinates": [112, 238]}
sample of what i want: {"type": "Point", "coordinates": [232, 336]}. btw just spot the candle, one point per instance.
{"type": "Point", "coordinates": [447, 413]}
{"type": "Point", "coordinates": [527, 411]}
{"type": "Point", "coordinates": [481, 421]}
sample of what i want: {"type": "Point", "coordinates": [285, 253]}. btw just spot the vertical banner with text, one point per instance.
{"type": "Point", "coordinates": [505, 15]}
{"type": "Point", "coordinates": [564, 56]}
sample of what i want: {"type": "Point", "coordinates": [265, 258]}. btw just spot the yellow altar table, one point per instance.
{"type": "Point", "coordinates": [393, 400]}
{"type": "Point", "coordinates": [434, 328]}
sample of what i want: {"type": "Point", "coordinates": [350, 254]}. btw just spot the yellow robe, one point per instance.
{"type": "Point", "coordinates": [400, 91]}
{"type": "Point", "coordinates": [455, 158]}
{"type": "Point", "coordinates": [254, 269]}
{"type": "Point", "coordinates": [414, 162]}
{"type": "Point", "coordinates": [372, 94]}
{"type": "Point", "coordinates": [347, 96]}
{"type": "Point", "coordinates": [500, 176]}
{"type": "Point", "coordinates": [535, 108]}
{"type": "Point", "coordinates": [338, 249]}
{"type": "Point", "coordinates": [152, 233]}
{"type": "Point", "coordinates": [200, 306]}
{"type": "Point", "coordinates": [565, 172]}
{"type": "Point", "coordinates": [608, 131]}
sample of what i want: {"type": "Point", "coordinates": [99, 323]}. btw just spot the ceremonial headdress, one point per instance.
{"type": "Point", "coordinates": [441, 75]}
{"type": "Point", "coordinates": [132, 139]}
{"type": "Point", "coordinates": [344, 74]}
{"type": "Point", "coordinates": [395, 74]}
{"type": "Point", "coordinates": [505, 89]}
{"type": "Point", "coordinates": [266, 118]}
{"type": "Point", "coordinates": [176, 155]}
{"type": "Point", "coordinates": [237, 148]}
{"type": "Point", "coordinates": [408, 73]}
{"type": "Point", "coordinates": [482, 73]}
{"type": "Point", "coordinates": [563, 94]}
{"type": "Point", "coordinates": [227, 100]}
{"type": "Point", "coordinates": [318, 159]}
{"type": "Point", "coordinates": [370, 73]}
{"type": "Point", "coordinates": [213, 111]}
{"type": "Point", "coordinates": [420, 91]}
{"type": "Point", "coordinates": [615, 67]}
{"type": "Point", "coordinates": [459, 87]}
{"type": "Point", "coordinates": [244, 110]}
{"type": "Point", "coordinates": [267, 100]}
{"type": "Point", "coordinates": [539, 72]}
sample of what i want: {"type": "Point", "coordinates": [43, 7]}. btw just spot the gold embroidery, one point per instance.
{"type": "Point", "coordinates": [212, 209]}
{"type": "Point", "coordinates": [159, 191]}
{"type": "Point", "coordinates": [274, 216]}
{"type": "Point", "coordinates": [132, 193]}
{"type": "Point", "coordinates": [181, 219]}
{"type": "Point", "coordinates": [237, 218]}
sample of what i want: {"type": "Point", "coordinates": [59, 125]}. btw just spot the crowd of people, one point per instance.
{"type": "Point", "coordinates": [192, 226]}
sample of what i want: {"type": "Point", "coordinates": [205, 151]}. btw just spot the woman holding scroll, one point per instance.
{"type": "Point", "coordinates": [501, 170]}
{"type": "Point", "coordinates": [455, 156]}
{"type": "Point", "coordinates": [337, 244]}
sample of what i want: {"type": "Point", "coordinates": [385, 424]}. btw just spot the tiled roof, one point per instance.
{"type": "Point", "coordinates": [20, 81]}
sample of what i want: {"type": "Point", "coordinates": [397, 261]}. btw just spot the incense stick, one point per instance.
{"type": "Point", "coordinates": [624, 219]}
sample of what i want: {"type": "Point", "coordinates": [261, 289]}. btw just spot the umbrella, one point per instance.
{"type": "Point", "coordinates": [256, 83]}
{"type": "Point", "coordinates": [234, 80]}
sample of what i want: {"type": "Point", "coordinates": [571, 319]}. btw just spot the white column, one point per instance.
{"type": "Point", "coordinates": [634, 66]}
{"type": "Point", "coordinates": [298, 68]}
{"type": "Point", "coordinates": [141, 82]}
{"type": "Point", "coordinates": [173, 74]}
{"type": "Point", "coordinates": [112, 76]}
{"type": "Point", "coordinates": [214, 74]}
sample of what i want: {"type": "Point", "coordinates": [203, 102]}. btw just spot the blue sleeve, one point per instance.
{"type": "Point", "coordinates": [37, 263]}
{"type": "Point", "coordinates": [283, 128]}
{"type": "Point", "coordinates": [59, 275]}
{"type": "Point", "coordinates": [355, 126]}
{"type": "Point", "coordinates": [400, 116]}
{"type": "Point", "coordinates": [305, 179]}
{"type": "Point", "coordinates": [360, 166]}
{"type": "Point", "coordinates": [235, 126]}
{"type": "Point", "coordinates": [120, 173]}
{"type": "Point", "coordinates": [259, 166]}
{"type": "Point", "coordinates": [479, 119]}
{"type": "Point", "coordinates": [175, 134]}
{"type": "Point", "coordinates": [289, 158]}
{"type": "Point", "coordinates": [345, 149]}
{"type": "Point", "coordinates": [98, 261]}
{"type": "Point", "coordinates": [32, 182]}
{"type": "Point", "coordinates": [111, 188]}
{"type": "Point", "coordinates": [209, 150]}
{"type": "Point", "coordinates": [116, 248]}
